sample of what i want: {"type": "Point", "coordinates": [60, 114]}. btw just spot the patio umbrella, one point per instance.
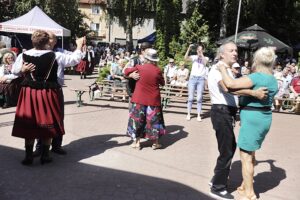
{"type": "Point", "coordinates": [255, 37]}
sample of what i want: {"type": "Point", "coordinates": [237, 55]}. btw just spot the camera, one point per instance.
{"type": "Point", "coordinates": [194, 45]}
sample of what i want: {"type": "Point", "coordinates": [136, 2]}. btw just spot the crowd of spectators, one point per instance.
{"type": "Point", "coordinates": [176, 72]}
{"type": "Point", "coordinates": [288, 84]}
{"type": "Point", "coordinates": [287, 74]}
{"type": "Point", "coordinates": [9, 83]}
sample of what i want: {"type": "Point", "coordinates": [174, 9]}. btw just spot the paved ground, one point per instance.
{"type": "Point", "coordinates": [100, 165]}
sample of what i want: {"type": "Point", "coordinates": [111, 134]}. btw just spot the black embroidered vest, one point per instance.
{"type": "Point", "coordinates": [43, 65]}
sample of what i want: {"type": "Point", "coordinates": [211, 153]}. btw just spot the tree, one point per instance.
{"type": "Point", "coordinates": [168, 18]}
{"type": "Point", "coordinates": [65, 13]}
{"type": "Point", "coordinates": [6, 10]}
{"type": "Point", "coordinates": [223, 28]}
{"type": "Point", "coordinates": [130, 13]}
{"type": "Point", "coordinates": [212, 13]}
{"type": "Point", "coordinates": [279, 18]}
{"type": "Point", "coordinates": [195, 28]}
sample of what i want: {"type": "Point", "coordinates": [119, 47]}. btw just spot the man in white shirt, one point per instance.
{"type": "Point", "coordinates": [223, 111]}
{"type": "Point", "coordinates": [170, 71]}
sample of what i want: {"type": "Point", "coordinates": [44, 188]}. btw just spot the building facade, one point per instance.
{"type": "Point", "coordinates": [106, 31]}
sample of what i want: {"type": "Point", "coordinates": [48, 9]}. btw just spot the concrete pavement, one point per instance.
{"type": "Point", "coordinates": [100, 165]}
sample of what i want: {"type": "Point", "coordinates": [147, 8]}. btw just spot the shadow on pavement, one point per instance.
{"type": "Point", "coordinates": [6, 113]}
{"type": "Point", "coordinates": [174, 134]}
{"type": "Point", "coordinates": [263, 181]}
{"type": "Point", "coordinates": [8, 123]}
{"type": "Point", "coordinates": [69, 179]}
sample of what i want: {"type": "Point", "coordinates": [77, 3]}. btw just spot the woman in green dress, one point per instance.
{"type": "Point", "coordinates": [255, 114]}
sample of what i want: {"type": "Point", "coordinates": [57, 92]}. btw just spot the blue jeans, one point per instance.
{"type": "Point", "coordinates": [195, 83]}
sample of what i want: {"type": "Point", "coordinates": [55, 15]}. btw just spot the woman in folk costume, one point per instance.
{"type": "Point", "coordinates": [39, 111]}
{"type": "Point", "coordinates": [84, 66]}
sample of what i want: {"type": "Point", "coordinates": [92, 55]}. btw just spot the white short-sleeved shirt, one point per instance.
{"type": "Point", "coordinates": [170, 71]}
{"type": "Point", "coordinates": [182, 73]}
{"type": "Point", "coordinates": [198, 68]}
{"type": "Point", "coordinates": [217, 95]}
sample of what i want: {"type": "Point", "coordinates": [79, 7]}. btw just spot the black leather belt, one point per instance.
{"type": "Point", "coordinates": [265, 108]}
{"type": "Point", "coordinates": [223, 107]}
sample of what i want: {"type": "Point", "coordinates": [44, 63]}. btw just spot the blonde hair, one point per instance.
{"type": "Point", "coordinates": [264, 58]}
{"type": "Point", "coordinates": [6, 55]}
{"type": "Point", "coordinates": [122, 61]}
{"type": "Point", "coordinates": [181, 63]}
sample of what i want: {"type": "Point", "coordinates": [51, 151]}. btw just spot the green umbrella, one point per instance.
{"type": "Point", "coordinates": [255, 37]}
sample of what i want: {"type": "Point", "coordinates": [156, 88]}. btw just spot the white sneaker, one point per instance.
{"type": "Point", "coordinates": [188, 117]}
{"type": "Point", "coordinates": [220, 195]}
{"type": "Point", "coordinates": [199, 119]}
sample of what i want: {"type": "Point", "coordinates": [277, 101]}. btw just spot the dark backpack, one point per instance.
{"type": "Point", "coordinates": [130, 86]}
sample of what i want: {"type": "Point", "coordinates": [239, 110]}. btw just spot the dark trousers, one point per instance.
{"type": "Point", "coordinates": [56, 141]}
{"type": "Point", "coordinates": [222, 118]}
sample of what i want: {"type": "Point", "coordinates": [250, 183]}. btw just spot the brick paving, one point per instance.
{"type": "Point", "coordinates": [100, 165]}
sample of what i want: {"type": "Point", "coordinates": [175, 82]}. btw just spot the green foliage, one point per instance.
{"type": "Point", "coordinates": [279, 18]}
{"type": "Point", "coordinates": [167, 20]}
{"type": "Point", "coordinates": [175, 47]}
{"type": "Point", "coordinates": [65, 13]}
{"type": "Point", "coordinates": [104, 72]}
{"type": "Point", "coordinates": [130, 13]}
{"type": "Point", "coordinates": [6, 11]}
{"type": "Point", "coordinates": [160, 45]}
{"type": "Point", "coordinates": [195, 29]}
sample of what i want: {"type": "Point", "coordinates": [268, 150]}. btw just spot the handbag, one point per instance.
{"type": "Point", "coordinates": [94, 87]}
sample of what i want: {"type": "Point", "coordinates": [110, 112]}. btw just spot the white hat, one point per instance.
{"type": "Point", "coordinates": [151, 54]}
{"type": "Point", "coordinates": [236, 65]}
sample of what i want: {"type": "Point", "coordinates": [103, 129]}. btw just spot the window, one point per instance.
{"type": "Point", "coordinates": [96, 9]}
{"type": "Point", "coordinates": [95, 27]}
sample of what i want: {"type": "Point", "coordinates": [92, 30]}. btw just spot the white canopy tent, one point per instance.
{"type": "Point", "coordinates": [34, 20]}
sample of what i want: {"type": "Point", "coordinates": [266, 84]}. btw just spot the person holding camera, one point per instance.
{"type": "Point", "coordinates": [197, 78]}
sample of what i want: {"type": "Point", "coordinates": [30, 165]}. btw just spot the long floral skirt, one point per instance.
{"type": "Point", "coordinates": [39, 114]}
{"type": "Point", "coordinates": [145, 122]}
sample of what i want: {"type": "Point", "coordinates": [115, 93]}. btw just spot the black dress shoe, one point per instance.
{"type": "Point", "coordinates": [37, 153]}
{"type": "Point", "coordinates": [59, 150]}
{"type": "Point", "coordinates": [45, 160]}
{"type": "Point", "coordinates": [5, 105]}
{"type": "Point", "coordinates": [27, 161]}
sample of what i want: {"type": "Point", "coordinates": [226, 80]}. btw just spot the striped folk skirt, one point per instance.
{"type": "Point", "coordinates": [39, 114]}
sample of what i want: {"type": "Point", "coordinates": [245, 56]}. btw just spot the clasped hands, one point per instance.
{"type": "Point", "coordinates": [135, 75]}
{"type": "Point", "coordinates": [260, 93]}
{"type": "Point", "coordinates": [27, 67]}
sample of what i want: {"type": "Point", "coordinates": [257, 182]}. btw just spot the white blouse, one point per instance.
{"type": "Point", "coordinates": [62, 60]}
{"type": "Point", "coordinates": [198, 68]}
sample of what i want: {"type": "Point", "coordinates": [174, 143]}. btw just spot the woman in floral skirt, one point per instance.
{"type": "Point", "coordinates": [145, 117]}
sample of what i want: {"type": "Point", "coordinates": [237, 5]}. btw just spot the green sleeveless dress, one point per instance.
{"type": "Point", "coordinates": [255, 123]}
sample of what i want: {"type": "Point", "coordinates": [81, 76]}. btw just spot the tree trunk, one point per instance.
{"type": "Point", "coordinates": [223, 19]}
{"type": "Point", "coordinates": [129, 42]}
{"type": "Point", "coordinates": [129, 26]}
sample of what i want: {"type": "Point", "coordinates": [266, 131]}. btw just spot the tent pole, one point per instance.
{"type": "Point", "coordinates": [237, 21]}
{"type": "Point", "coordinates": [62, 41]}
